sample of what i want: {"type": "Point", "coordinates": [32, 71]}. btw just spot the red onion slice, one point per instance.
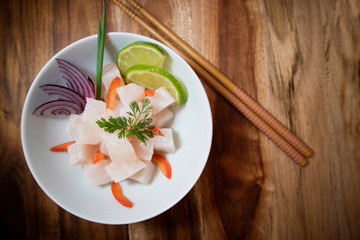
{"type": "Point", "coordinates": [75, 80]}
{"type": "Point", "coordinates": [91, 82]}
{"type": "Point", "coordinates": [58, 107]}
{"type": "Point", "coordinates": [64, 93]}
{"type": "Point", "coordinates": [71, 99]}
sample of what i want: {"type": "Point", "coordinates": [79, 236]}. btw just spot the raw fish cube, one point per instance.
{"type": "Point", "coordinates": [86, 132]}
{"type": "Point", "coordinates": [111, 113]}
{"type": "Point", "coordinates": [96, 172]}
{"type": "Point", "coordinates": [123, 171]}
{"type": "Point", "coordinates": [124, 111]}
{"type": "Point", "coordinates": [103, 148]}
{"type": "Point", "coordinates": [81, 153]}
{"type": "Point", "coordinates": [110, 71]}
{"type": "Point", "coordinates": [74, 121]}
{"type": "Point", "coordinates": [120, 150]}
{"type": "Point", "coordinates": [161, 99]}
{"type": "Point", "coordinates": [164, 143]}
{"type": "Point", "coordinates": [131, 92]}
{"type": "Point", "coordinates": [146, 174]}
{"type": "Point", "coordinates": [163, 118]}
{"type": "Point", "coordinates": [118, 106]}
{"type": "Point", "coordinates": [94, 110]}
{"type": "Point", "coordinates": [143, 151]}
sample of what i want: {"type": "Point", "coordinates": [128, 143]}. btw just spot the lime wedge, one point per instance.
{"type": "Point", "coordinates": [140, 53]}
{"type": "Point", "coordinates": [154, 77]}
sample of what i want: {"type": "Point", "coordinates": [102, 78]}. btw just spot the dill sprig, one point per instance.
{"type": "Point", "coordinates": [137, 124]}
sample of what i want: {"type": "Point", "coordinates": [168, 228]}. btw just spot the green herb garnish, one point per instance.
{"type": "Point", "coordinates": [100, 53]}
{"type": "Point", "coordinates": [137, 124]}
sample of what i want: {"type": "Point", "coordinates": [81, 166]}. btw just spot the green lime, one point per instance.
{"type": "Point", "coordinates": [154, 77]}
{"type": "Point", "coordinates": [140, 53]}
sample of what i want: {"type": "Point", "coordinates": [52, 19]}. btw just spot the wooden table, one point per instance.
{"type": "Point", "coordinates": [299, 59]}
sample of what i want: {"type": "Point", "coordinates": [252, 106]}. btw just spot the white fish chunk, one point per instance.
{"type": "Point", "coordinates": [96, 172]}
{"type": "Point", "coordinates": [146, 174]}
{"type": "Point", "coordinates": [110, 71]}
{"type": "Point", "coordinates": [120, 150]}
{"type": "Point", "coordinates": [161, 99]}
{"type": "Point", "coordinates": [164, 143]}
{"type": "Point", "coordinates": [85, 132]}
{"type": "Point", "coordinates": [118, 106]}
{"type": "Point", "coordinates": [74, 121]}
{"type": "Point", "coordinates": [120, 172]}
{"type": "Point", "coordinates": [103, 148]}
{"type": "Point", "coordinates": [94, 110]}
{"type": "Point", "coordinates": [163, 118]}
{"type": "Point", "coordinates": [81, 153]}
{"type": "Point", "coordinates": [131, 92]}
{"type": "Point", "coordinates": [143, 151]}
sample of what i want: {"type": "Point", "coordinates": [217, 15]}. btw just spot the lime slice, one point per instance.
{"type": "Point", "coordinates": [140, 53]}
{"type": "Point", "coordinates": [154, 77]}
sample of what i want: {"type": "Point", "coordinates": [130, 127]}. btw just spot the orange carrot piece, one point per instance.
{"type": "Point", "coordinates": [111, 94]}
{"type": "Point", "coordinates": [98, 156]}
{"type": "Point", "coordinates": [149, 92]}
{"type": "Point", "coordinates": [163, 164]}
{"type": "Point", "coordinates": [117, 192]}
{"type": "Point", "coordinates": [62, 147]}
{"type": "Point", "coordinates": [157, 131]}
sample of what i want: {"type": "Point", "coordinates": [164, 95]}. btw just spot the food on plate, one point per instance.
{"type": "Point", "coordinates": [124, 136]}
{"type": "Point", "coordinates": [120, 142]}
{"type": "Point", "coordinates": [111, 94]}
{"type": "Point", "coordinates": [75, 79]}
{"type": "Point", "coordinates": [62, 147]}
{"type": "Point", "coordinates": [163, 164]}
{"type": "Point", "coordinates": [68, 100]}
{"type": "Point", "coordinates": [152, 77]}
{"type": "Point", "coordinates": [138, 122]}
{"type": "Point", "coordinates": [117, 192]}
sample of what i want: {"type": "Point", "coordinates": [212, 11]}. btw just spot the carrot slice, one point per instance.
{"type": "Point", "coordinates": [149, 92]}
{"type": "Point", "coordinates": [117, 192]}
{"type": "Point", "coordinates": [157, 131]}
{"type": "Point", "coordinates": [163, 164]}
{"type": "Point", "coordinates": [98, 156]}
{"type": "Point", "coordinates": [62, 147]}
{"type": "Point", "coordinates": [111, 94]}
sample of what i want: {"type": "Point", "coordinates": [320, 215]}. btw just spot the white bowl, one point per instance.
{"type": "Point", "coordinates": [68, 186]}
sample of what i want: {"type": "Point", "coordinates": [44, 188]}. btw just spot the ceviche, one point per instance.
{"type": "Point", "coordinates": [123, 133]}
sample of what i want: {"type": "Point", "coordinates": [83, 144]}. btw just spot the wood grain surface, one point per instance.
{"type": "Point", "coordinates": [299, 59]}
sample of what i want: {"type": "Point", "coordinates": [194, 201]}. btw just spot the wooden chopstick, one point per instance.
{"type": "Point", "coordinates": [230, 85]}
{"type": "Point", "coordinates": [211, 80]}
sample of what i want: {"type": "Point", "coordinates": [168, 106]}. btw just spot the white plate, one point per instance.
{"type": "Point", "coordinates": [69, 187]}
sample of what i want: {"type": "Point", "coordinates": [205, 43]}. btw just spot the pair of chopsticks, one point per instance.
{"type": "Point", "coordinates": [294, 147]}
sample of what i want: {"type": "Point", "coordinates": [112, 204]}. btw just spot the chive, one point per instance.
{"type": "Point", "coordinates": [100, 53]}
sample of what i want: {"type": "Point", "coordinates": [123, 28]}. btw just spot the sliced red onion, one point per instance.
{"type": "Point", "coordinates": [64, 93]}
{"type": "Point", "coordinates": [75, 80]}
{"type": "Point", "coordinates": [91, 82]}
{"type": "Point", "coordinates": [71, 99]}
{"type": "Point", "coordinates": [58, 107]}
{"type": "Point", "coordinates": [72, 82]}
